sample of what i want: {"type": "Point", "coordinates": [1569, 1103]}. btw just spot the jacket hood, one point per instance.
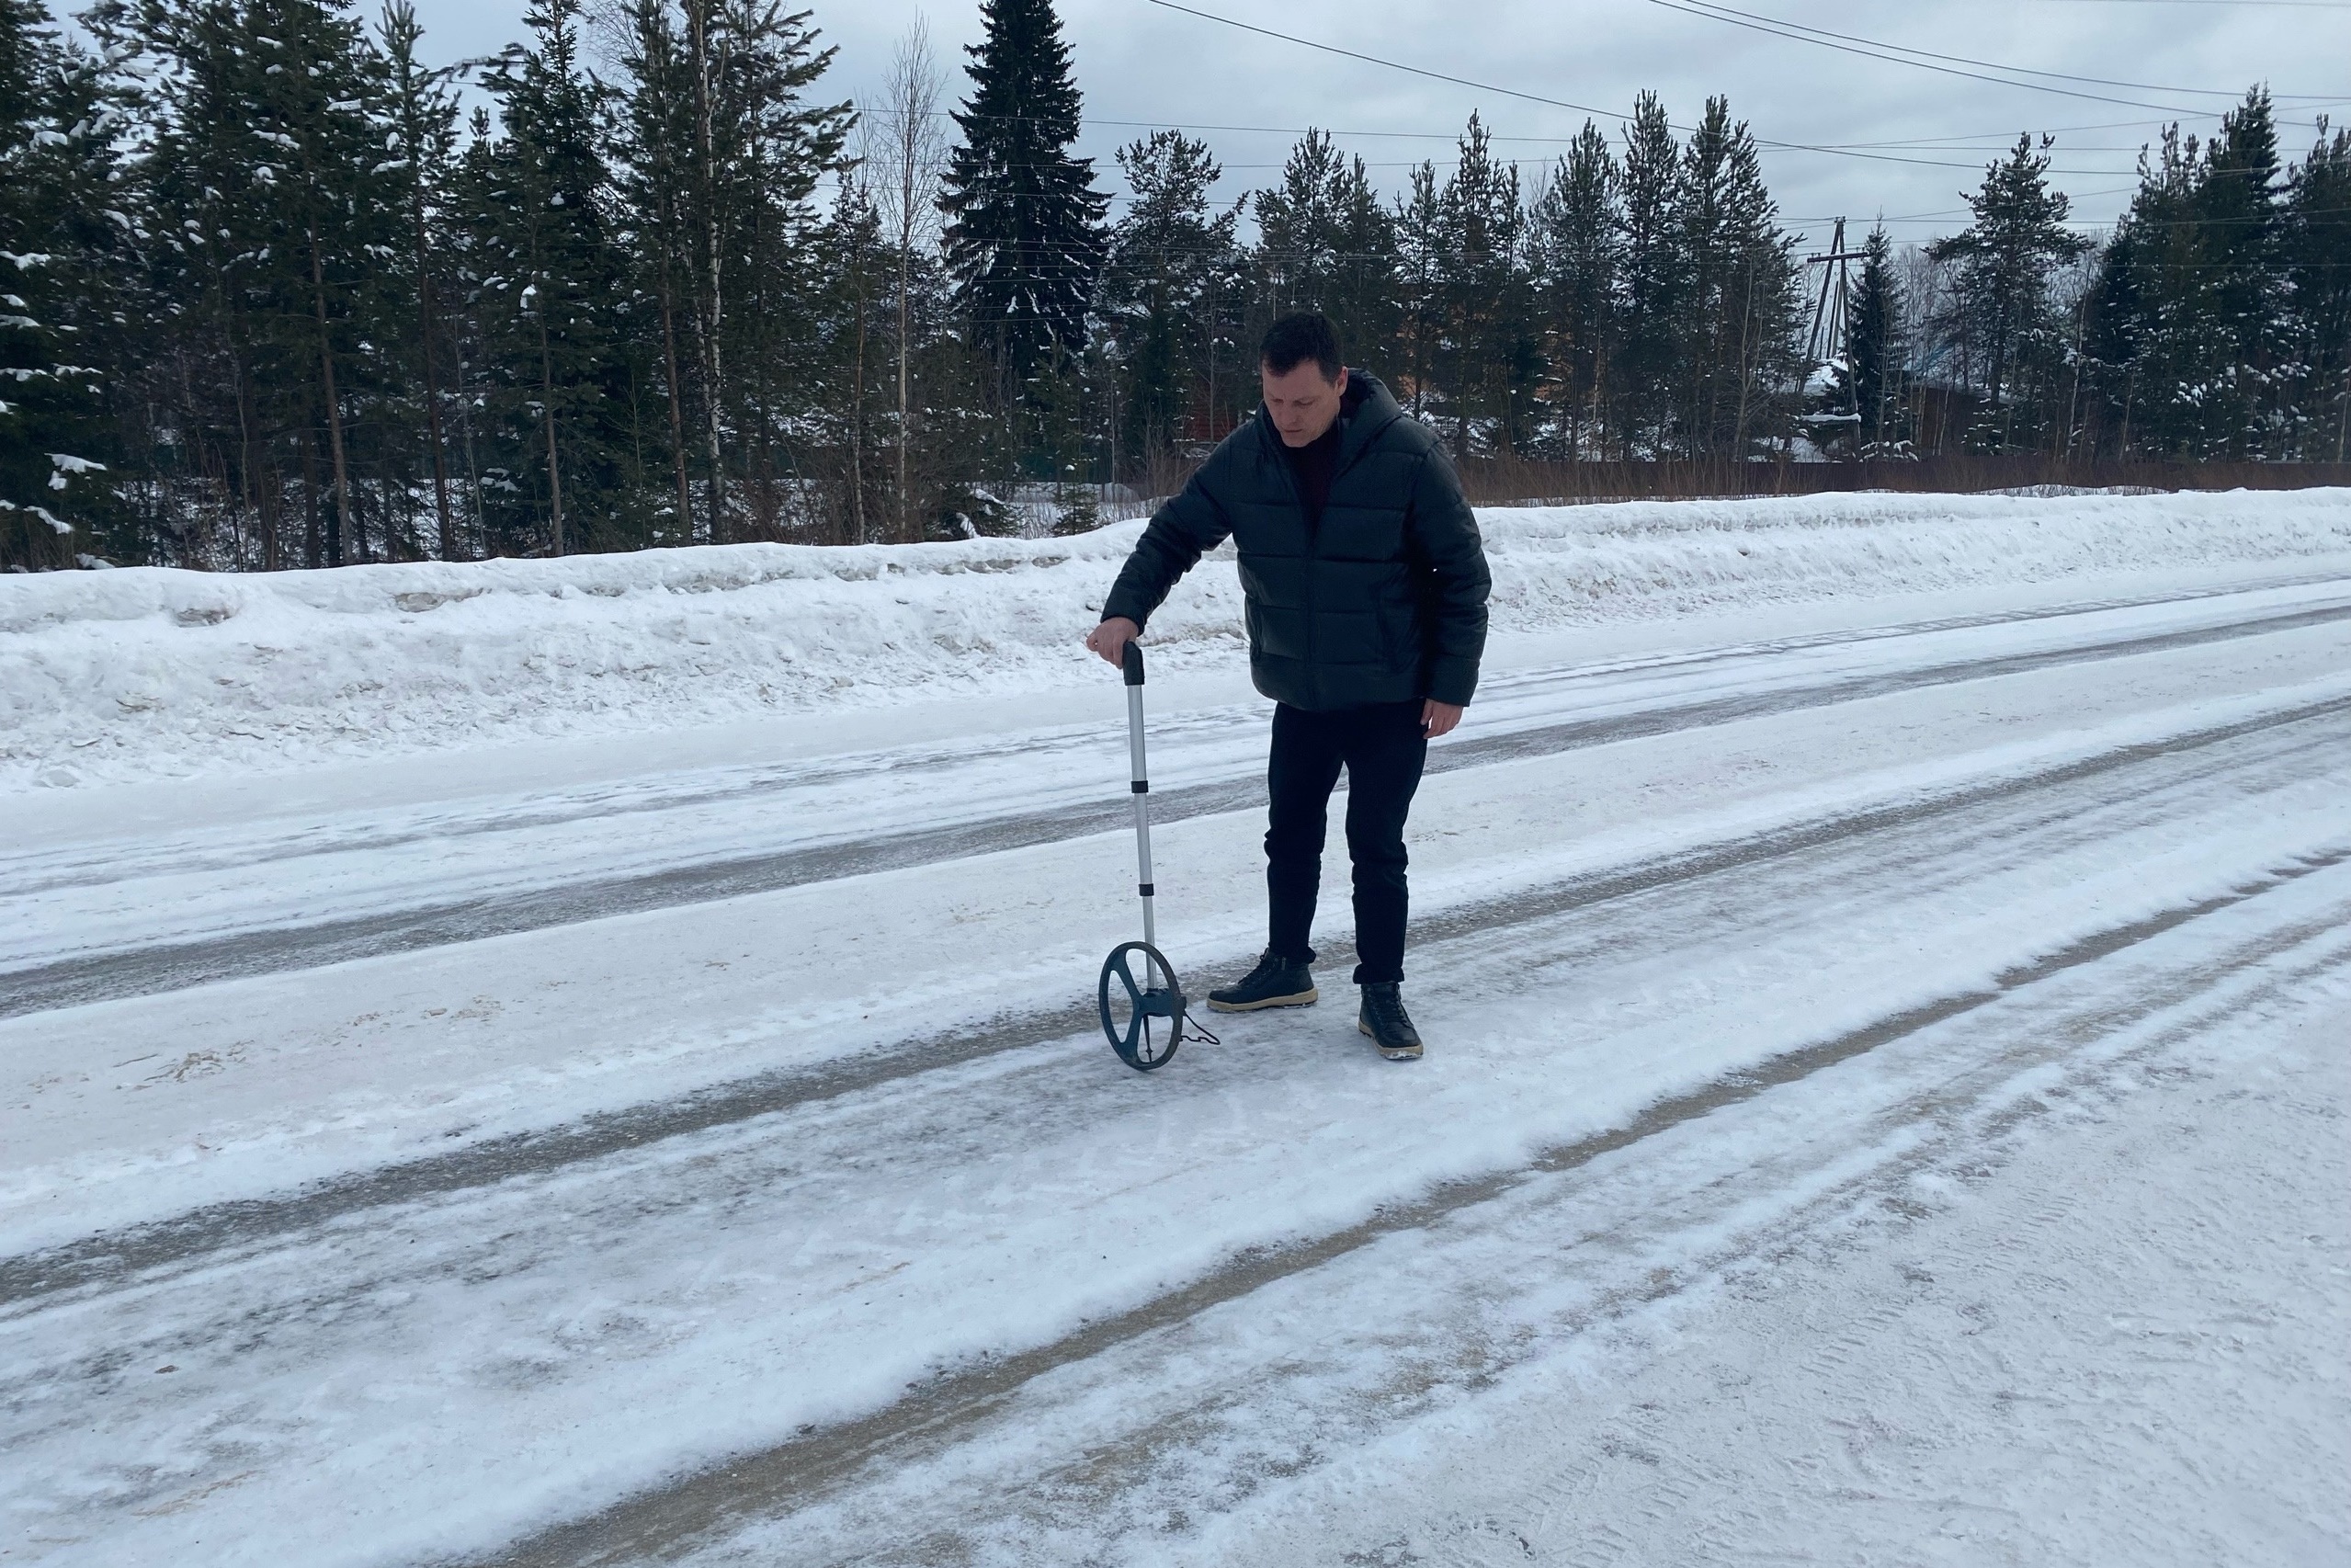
{"type": "Point", "coordinates": [1369, 408]}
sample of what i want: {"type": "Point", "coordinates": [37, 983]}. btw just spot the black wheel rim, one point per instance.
{"type": "Point", "coordinates": [1135, 1015]}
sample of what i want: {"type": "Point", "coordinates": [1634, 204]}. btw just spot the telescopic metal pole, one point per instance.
{"type": "Point", "coordinates": [1141, 785]}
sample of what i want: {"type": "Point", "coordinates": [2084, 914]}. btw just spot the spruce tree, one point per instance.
{"type": "Point", "coordinates": [55, 467]}
{"type": "Point", "coordinates": [1868, 380]}
{"type": "Point", "coordinates": [1023, 233]}
{"type": "Point", "coordinates": [1711, 321]}
{"type": "Point", "coordinates": [420, 155]}
{"type": "Point", "coordinates": [235, 406]}
{"type": "Point", "coordinates": [654, 149]}
{"type": "Point", "coordinates": [320, 91]}
{"type": "Point", "coordinates": [762, 272]}
{"type": "Point", "coordinates": [552, 299]}
{"type": "Point", "coordinates": [270, 244]}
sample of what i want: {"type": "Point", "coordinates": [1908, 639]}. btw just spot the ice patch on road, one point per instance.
{"type": "Point", "coordinates": [135, 673]}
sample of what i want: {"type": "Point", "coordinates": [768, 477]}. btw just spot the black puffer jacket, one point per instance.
{"type": "Point", "coordinates": [1384, 602]}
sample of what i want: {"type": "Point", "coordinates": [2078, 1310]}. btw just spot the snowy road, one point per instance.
{"type": "Point", "coordinates": [253, 898]}
{"type": "Point", "coordinates": [718, 1164]}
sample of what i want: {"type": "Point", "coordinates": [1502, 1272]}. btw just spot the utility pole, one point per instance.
{"type": "Point", "coordinates": [1829, 325]}
{"type": "Point", "coordinates": [1828, 312]}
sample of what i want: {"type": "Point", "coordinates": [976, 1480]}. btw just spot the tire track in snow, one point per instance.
{"type": "Point", "coordinates": [163, 967]}
{"type": "Point", "coordinates": [669, 1521]}
{"type": "Point", "coordinates": [1957, 1124]}
{"type": "Point", "coordinates": [200, 1233]}
{"type": "Point", "coordinates": [90, 867]}
{"type": "Point", "coordinates": [1226, 1419]}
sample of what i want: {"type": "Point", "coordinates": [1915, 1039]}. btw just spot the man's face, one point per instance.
{"type": "Point", "coordinates": [1302, 404]}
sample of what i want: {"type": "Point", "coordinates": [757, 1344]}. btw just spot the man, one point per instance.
{"type": "Point", "coordinates": [1366, 587]}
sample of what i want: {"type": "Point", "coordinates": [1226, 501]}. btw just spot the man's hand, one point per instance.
{"type": "Point", "coordinates": [1438, 718]}
{"type": "Point", "coordinates": [1110, 639]}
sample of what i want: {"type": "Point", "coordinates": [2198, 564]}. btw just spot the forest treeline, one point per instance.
{"type": "Point", "coordinates": [277, 290]}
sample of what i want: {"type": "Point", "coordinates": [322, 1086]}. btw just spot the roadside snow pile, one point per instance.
{"type": "Point", "coordinates": [115, 676]}
{"type": "Point", "coordinates": [1562, 566]}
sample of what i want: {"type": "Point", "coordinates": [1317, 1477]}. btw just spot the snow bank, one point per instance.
{"type": "Point", "coordinates": [113, 676]}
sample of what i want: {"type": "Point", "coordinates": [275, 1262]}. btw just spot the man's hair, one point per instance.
{"type": "Point", "coordinates": [1295, 339]}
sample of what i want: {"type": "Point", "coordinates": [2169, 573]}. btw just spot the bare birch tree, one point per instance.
{"type": "Point", "coordinates": [904, 154]}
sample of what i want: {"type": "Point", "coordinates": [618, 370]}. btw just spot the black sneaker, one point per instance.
{"type": "Point", "coordinates": [1384, 1019]}
{"type": "Point", "coordinates": [1275, 983]}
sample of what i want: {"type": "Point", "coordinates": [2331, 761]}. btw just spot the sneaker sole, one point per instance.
{"type": "Point", "coordinates": [1302, 999]}
{"type": "Point", "coordinates": [1392, 1052]}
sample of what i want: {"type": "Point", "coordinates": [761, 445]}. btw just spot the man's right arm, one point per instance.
{"type": "Point", "coordinates": [1190, 525]}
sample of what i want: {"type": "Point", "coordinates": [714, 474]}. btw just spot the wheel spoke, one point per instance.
{"type": "Point", "coordinates": [1130, 1034]}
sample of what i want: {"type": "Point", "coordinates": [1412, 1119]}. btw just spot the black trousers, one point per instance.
{"type": "Point", "coordinates": [1383, 748]}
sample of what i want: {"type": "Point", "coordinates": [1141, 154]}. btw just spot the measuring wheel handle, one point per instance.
{"type": "Point", "coordinates": [1128, 1008]}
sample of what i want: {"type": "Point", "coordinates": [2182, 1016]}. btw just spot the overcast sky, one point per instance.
{"type": "Point", "coordinates": [1927, 134]}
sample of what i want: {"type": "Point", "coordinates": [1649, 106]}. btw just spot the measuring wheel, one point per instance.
{"type": "Point", "coordinates": [1129, 1003]}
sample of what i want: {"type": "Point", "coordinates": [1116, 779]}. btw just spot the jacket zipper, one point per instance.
{"type": "Point", "coordinates": [1297, 498]}
{"type": "Point", "coordinates": [1313, 528]}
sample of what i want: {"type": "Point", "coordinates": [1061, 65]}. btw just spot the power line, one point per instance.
{"type": "Point", "coordinates": [1775, 29]}
{"type": "Point", "coordinates": [1836, 150]}
{"type": "Point", "coordinates": [1939, 142]}
{"type": "Point", "coordinates": [1995, 141]}
{"type": "Point", "coordinates": [1985, 64]}
{"type": "Point", "coordinates": [1962, 211]}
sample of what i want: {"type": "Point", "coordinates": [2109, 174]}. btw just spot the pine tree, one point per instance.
{"type": "Point", "coordinates": [1420, 285]}
{"type": "Point", "coordinates": [1168, 255]}
{"type": "Point", "coordinates": [1655, 283]}
{"type": "Point", "coordinates": [2317, 251]}
{"type": "Point", "coordinates": [2193, 294]}
{"type": "Point", "coordinates": [1485, 360]}
{"type": "Point", "coordinates": [1326, 243]}
{"type": "Point", "coordinates": [2134, 340]}
{"type": "Point", "coordinates": [2003, 298]}
{"type": "Point", "coordinates": [2242, 233]}
{"type": "Point", "coordinates": [1576, 254]}
{"type": "Point", "coordinates": [1024, 235]}
{"type": "Point", "coordinates": [855, 316]}
{"type": "Point", "coordinates": [1738, 371]}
